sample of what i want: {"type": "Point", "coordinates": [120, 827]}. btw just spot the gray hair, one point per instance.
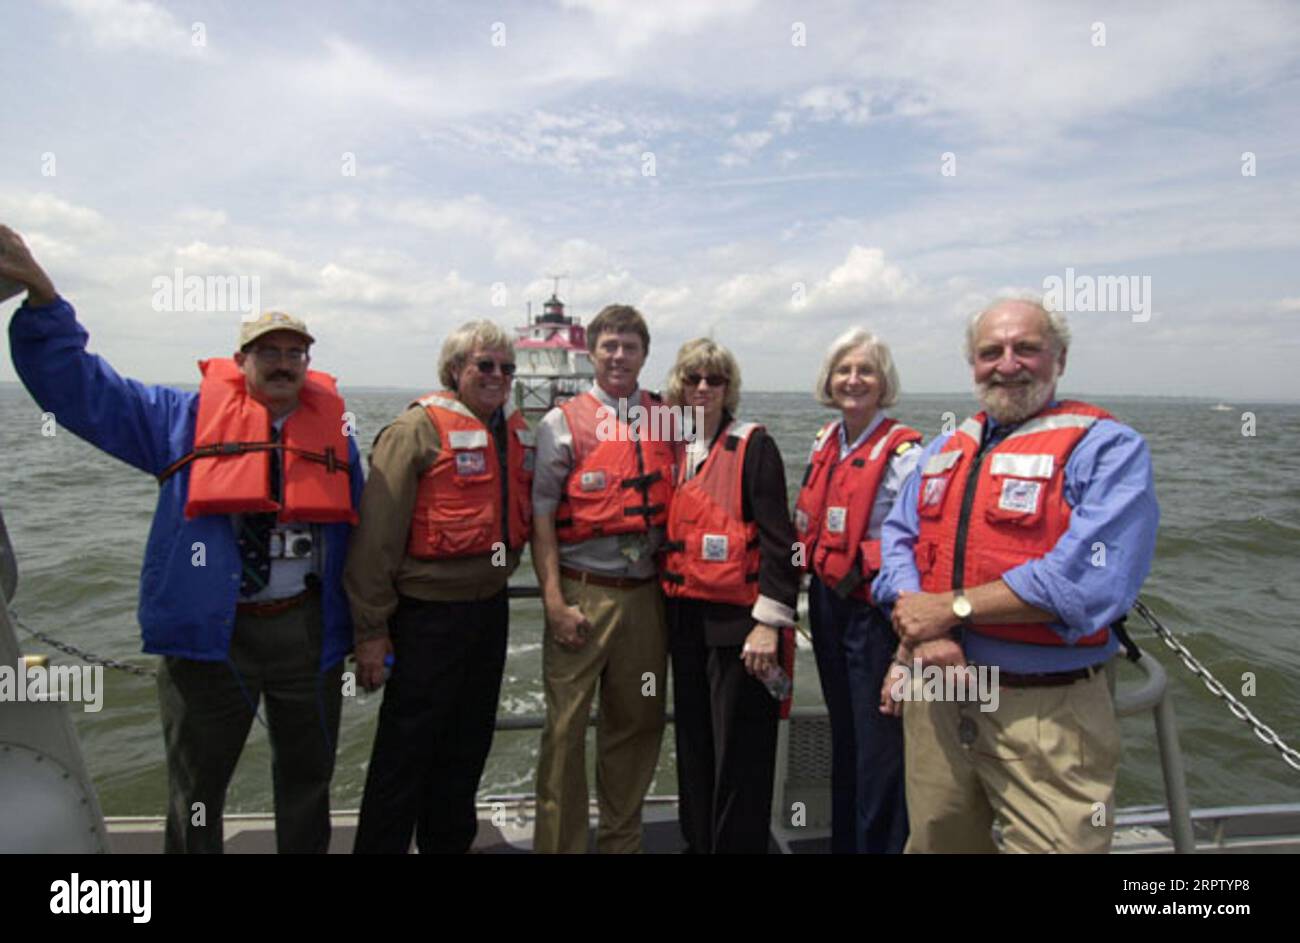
{"type": "Point", "coordinates": [882, 361]}
{"type": "Point", "coordinates": [1058, 330]}
{"type": "Point", "coordinates": [706, 355]}
{"type": "Point", "coordinates": [460, 343]}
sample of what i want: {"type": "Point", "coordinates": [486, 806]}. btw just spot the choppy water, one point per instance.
{"type": "Point", "coordinates": [1225, 578]}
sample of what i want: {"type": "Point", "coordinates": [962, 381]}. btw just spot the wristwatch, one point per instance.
{"type": "Point", "coordinates": [961, 607]}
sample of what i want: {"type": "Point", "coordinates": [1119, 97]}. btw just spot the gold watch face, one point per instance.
{"type": "Point", "coordinates": [961, 607]}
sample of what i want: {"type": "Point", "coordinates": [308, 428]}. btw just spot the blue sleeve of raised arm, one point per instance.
{"type": "Point", "coordinates": [1093, 574]}
{"type": "Point", "coordinates": [127, 419]}
{"type": "Point", "coordinates": [898, 537]}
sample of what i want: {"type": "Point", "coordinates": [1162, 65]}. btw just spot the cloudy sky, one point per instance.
{"type": "Point", "coordinates": [768, 172]}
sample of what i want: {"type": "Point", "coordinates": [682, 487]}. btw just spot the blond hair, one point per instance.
{"type": "Point", "coordinates": [704, 355]}
{"type": "Point", "coordinates": [460, 343]}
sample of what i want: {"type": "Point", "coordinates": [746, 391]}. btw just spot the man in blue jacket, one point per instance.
{"type": "Point", "coordinates": [241, 605]}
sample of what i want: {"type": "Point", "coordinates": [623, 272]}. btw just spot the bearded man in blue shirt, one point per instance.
{"type": "Point", "coordinates": [1018, 545]}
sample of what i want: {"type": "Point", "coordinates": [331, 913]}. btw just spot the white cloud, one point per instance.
{"type": "Point", "coordinates": [864, 277]}
{"type": "Point", "coordinates": [586, 141]}
{"type": "Point", "coordinates": [202, 217]}
{"type": "Point", "coordinates": [744, 147]}
{"type": "Point", "coordinates": [348, 72]}
{"type": "Point", "coordinates": [633, 25]}
{"type": "Point", "coordinates": [202, 258]}
{"type": "Point", "coordinates": [46, 211]}
{"type": "Point", "coordinates": [132, 24]}
{"type": "Point", "coordinates": [827, 103]}
{"type": "Point", "coordinates": [468, 217]}
{"type": "Point", "coordinates": [776, 164]}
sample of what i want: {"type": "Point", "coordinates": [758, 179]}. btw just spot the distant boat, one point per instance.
{"type": "Point", "coordinates": [554, 364]}
{"type": "Point", "coordinates": [1221, 408]}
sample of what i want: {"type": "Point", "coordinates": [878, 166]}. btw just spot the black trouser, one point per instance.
{"type": "Point", "coordinates": [855, 645]}
{"type": "Point", "coordinates": [208, 707]}
{"type": "Point", "coordinates": [435, 725]}
{"type": "Point", "coordinates": [726, 724]}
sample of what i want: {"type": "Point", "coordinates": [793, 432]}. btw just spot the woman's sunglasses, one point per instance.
{"type": "Point", "coordinates": [713, 379]}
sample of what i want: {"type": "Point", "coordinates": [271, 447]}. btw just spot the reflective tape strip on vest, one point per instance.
{"type": "Point", "coordinates": [1017, 513]}
{"type": "Point", "coordinates": [622, 474]}
{"type": "Point", "coordinates": [842, 494]}
{"type": "Point", "coordinates": [314, 470]}
{"type": "Point", "coordinates": [458, 502]}
{"type": "Point", "coordinates": [712, 552]}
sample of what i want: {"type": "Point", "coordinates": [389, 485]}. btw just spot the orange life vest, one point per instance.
{"type": "Point", "coordinates": [458, 507]}
{"type": "Point", "coordinates": [233, 446]}
{"type": "Point", "coordinates": [980, 517]}
{"type": "Point", "coordinates": [712, 552]}
{"type": "Point", "coordinates": [621, 480]}
{"type": "Point", "coordinates": [834, 505]}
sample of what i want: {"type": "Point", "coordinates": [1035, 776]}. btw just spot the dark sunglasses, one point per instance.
{"type": "Point", "coordinates": [713, 379]}
{"type": "Point", "coordinates": [490, 367]}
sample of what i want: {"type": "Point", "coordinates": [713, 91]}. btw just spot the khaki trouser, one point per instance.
{"type": "Point", "coordinates": [1041, 771]}
{"type": "Point", "coordinates": [626, 656]}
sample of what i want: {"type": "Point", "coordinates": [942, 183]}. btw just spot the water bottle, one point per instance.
{"type": "Point", "coordinates": [777, 682]}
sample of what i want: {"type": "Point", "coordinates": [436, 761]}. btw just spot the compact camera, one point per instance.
{"type": "Point", "coordinates": [291, 545]}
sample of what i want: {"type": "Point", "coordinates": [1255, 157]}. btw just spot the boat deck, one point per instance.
{"type": "Point", "coordinates": [506, 827]}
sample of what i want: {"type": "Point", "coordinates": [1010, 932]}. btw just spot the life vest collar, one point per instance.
{"type": "Point", "coordinates": [220, 369]}
{"type": "Point", "coordinates": [232, 433]}
{"type": "Point", "coordinates": [447, 399]}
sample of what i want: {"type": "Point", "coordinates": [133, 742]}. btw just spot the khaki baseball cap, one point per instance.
{"type": "Point", "coordinates": [270, 321]}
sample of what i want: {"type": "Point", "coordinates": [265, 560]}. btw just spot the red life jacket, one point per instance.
{"type": "Point", "coordinates": [712, 553]}
{"type": "Point", "coordinates": [834, 505]}
{"type": "Point", "coordinates": [975, 527]}
{"type": "Point", "coordinates": [232, 450]}
{"type": "Point", "coordinates": [618, 485]}
{"type": "Point", "coordinates": [458, 508]}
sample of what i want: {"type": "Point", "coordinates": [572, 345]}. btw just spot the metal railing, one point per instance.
{"type": "Point", "coordinates": [1152, 694]}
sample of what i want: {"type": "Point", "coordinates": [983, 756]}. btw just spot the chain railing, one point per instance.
{"type": "Point", "coordinates": [88, 657]}
{"type": "Point", "coordinates": [1239, 710]}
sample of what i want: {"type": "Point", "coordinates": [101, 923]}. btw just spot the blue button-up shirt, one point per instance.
{"type": "Point", "coordinates": [1090, 578]}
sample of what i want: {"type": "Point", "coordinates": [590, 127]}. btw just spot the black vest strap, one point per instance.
{"type": "Point", "coordinates": [329, 458]}
{"type": "Point", "coordinates": [1131, 651]}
